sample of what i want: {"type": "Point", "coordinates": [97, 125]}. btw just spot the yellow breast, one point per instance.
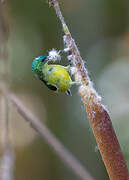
{"type": "Point", "coordinates": [58, 76]}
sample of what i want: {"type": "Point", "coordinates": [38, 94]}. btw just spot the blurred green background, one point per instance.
{"type": "Point", "coordinates": [101, 30]}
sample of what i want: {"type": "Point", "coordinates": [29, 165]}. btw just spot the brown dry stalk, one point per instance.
{"type": "Point", "coordinates": [98, 116]}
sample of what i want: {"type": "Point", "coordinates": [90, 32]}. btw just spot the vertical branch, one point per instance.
{"type": "Point", "coordinates": [4, 123]}
{"type": "Point", "coordinates": [4, 34]}
{"type": "Point", "coordinates": [98, 116]}
{"type": "Point", "coordinates": [7, 160]}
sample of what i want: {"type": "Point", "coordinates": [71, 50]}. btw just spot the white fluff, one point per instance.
{"type": "Point", "coordinates": [73, 70]}
{"type": "Point", "coordinates": [54, 55]}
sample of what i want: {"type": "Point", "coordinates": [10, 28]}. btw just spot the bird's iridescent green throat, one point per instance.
{"type": "Point", "coordinates": [38, 63]}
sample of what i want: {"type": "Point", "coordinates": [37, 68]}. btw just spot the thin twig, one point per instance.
{"type": "Point", "coordinates": [98, 116]}
{"type": "Point", "coordinates": [47, 136]}
{"type": "Point", "coordinates": [7, 160]}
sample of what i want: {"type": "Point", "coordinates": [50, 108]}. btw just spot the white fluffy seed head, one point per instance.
{"type": "Point", "coordinates": [70, 57]}
{"type": "Point", "coordinates": [54, 55]}
{"type": "Point", "coordinates": [73, 70]}
{"type": "Point", "coordinates": [64, 38]}
{"type": "Point", "coordinates": [66, 50]}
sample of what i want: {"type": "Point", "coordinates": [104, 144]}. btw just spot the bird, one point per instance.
{"type": "Point", "coordinates": [55, 77]}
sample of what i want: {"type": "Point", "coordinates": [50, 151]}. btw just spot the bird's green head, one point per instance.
{"type": "Point", "coordinates": [38, 63]}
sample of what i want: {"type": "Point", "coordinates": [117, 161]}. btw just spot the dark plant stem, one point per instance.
{"type": "Point", "coordinates": [98, 116]}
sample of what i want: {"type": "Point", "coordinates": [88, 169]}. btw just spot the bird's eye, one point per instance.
{"type": "Point", "coordinates": [43, 58]}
